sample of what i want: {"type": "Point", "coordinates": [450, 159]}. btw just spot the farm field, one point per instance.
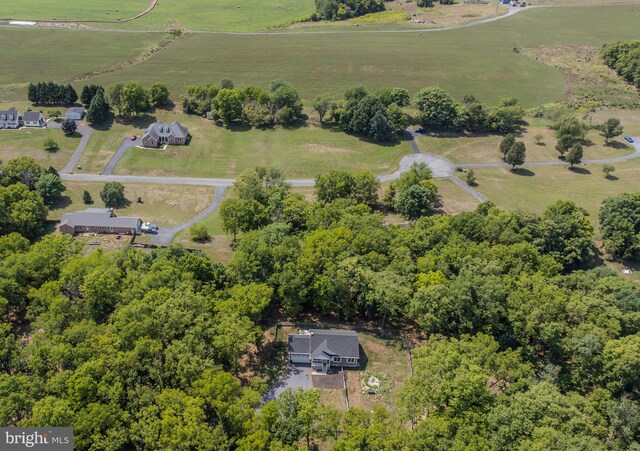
{"type": "Point", "coordinates": [218, 15]}
{"type": "Point", "coordinates": [485, 65]}
{"type": "Point", "coordinates": [218, 152]}
{"type": "Point", "coordinates": [29, 142]}
{"type": "Point", "coordinates": [39, 54]}
{"type": "Point", "coordinates": [166, 205]}
{"type": "Point", "coordinates": [72, 9]}
{"type": "Point", "coordinates": [461, 148]}
{"type": "Point", "coordinates": [535, 188]}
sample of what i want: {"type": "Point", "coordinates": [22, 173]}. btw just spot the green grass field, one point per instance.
{"type": "Point", "coordinates": [166, 205]}
{"type": "Point", "coordinates": [219, 152]}
{"type": "Point", "coordinates": [29, 141]}
{"type": "Point", "coordinates": [72, 9]}
{"type": "Point", "coordinates": [461, 148]}
{"type": "Point", "coordinates": [478, 60]}
{"type": "Point", "coordinates": [535, 188]}
{"type": "Point", "coordinates": [217, 15]}
{"type": "Point", "coordinates": [44, 54]}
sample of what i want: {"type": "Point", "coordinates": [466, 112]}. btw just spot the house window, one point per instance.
{"type": "Point", "coordinates": [351, 360]}
{"type": "Point", "coordinates": [317, 360]}
{"type": "Point", "coordinates": [336, 359]}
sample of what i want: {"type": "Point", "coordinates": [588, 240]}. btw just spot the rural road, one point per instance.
{"type": "Point", "coordinates": [441, 167]}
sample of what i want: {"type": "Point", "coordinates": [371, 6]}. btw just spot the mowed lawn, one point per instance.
{"type": "Point", "coordinates": [166, 205]}
{"type": "Point", "coordinates": [477, 60]}
{"type": "Point", "coordinates": [462, 148]}
{"type": "Point", "coordinates": [29, 142]}
{"type": "Point", "coordinates": [535, 188]}
{"type": "Point", "coordinates": [219, 152]}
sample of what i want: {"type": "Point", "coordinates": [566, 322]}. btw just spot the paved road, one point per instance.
{"type": "Point", "coordinates": [86, 133]}
{"type": "Point", "coordinates": [165, 234]}
{"type": "Point", "coordinates": [441, 167]}
{"type": "Point", "coordinates": [111, 165]}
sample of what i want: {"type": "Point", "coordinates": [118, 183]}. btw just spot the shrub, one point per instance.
{"type": "Point", "coordinates": [199, 233]}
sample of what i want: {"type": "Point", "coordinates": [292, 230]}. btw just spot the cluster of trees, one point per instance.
{"type": "Point", "coordinates": [132, 99]}
{"type": "Point", "coordinates": [92, 97]}
{"type": "Point", "coordinates": [26, 190]}
{"type": "Point", "coordinates": [528, 348]}
{"type": "Point", "coordinates": [624, 58]}
{"type": "Point", "coordinates": [50, 93]}
{"type": "Point", "coordinates": [251, 105]}
{"type": "Point", "coordinates": [377, 116]}
{"type": "Point", "coordinates": [439, 110]}
{"type": "Point", "coordinates": [345, 9]}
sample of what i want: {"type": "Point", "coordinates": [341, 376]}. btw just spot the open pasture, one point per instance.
{"type": "Point", "coordinates": [166, 205]}
{"type": "Point", "coordinates": [535, 188]}
{"type": "Point", "coordinates": [219, 152]}
{"type": "Point", "coordinates": [30, 141]}
{"type": "Point", "coordinates": [462, 148]}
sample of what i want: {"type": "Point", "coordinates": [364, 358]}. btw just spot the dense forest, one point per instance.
{"type": "Point", "coordinates": [526, 343]}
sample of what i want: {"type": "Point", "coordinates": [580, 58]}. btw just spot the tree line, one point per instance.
{"type": "Point", "coordinates": [50, 93]}
{"type": "Point", "coordinates": [345, 9]}
{"type": "Point", "coordinates": [130, 99]}
{"type": "Point", "coordinates": [251, 105]}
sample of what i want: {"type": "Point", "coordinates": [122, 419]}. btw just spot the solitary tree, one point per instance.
{"type": "Point", "coordinates": [69, 127]}
{"type": "Point", "coordinates": [507, 143]}
{"type": "Point", "coordinates": [112, 194]}
{"type": "Point", "coordinates": [50, 145]}
{"type": "Point", "coordinates": [322, 106]}
{"type": "Point", "coordinates": [516, 155]}
{"type": "Point", "coordinates": [86, 197]}
{"type": "Point", "coordinates": [470, 177]}
{"type": "Point", "coordinates": [608, 169]}
{"type": "Point", "coordinates": [575, 155]}
{"type": "Point", "coordinates": [611, 128]}
{"type": "Point", "coordinates": [225, 83]}
{"type": "Point", "coordinates": [539, 137]}
{"type": "Point", "coordinates": [565, 143]}
{"type": "Point", "coordinates": [50, 187]}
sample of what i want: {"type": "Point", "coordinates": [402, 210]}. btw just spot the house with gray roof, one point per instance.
{"type": "Point", "coordinates": [99, 220]}
{"type": "Point", "coordinates": [9, 118]}
{"type": "Point", "coordinates": [75, 113]}
{"type": "Point", "coordinates": [325, 349]}
{"type": "Point", "coordinates": [158, 134]}
{"type": "Point", "coordinates": [33, 119]}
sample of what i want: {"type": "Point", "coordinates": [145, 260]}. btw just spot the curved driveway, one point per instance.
{"type": "Point", "coordinates": [86, 133]}
{"type": "Point", "coordinates": [111, 165]}
{"type": "Point", "coordinates": [441, 167]}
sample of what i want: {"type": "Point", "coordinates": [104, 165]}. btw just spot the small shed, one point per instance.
{"type": "Point", "coordinates": [75, 113]}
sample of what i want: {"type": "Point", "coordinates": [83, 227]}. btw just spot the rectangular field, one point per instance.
{"type": "Point", "coordinates": [166, 205]}
{"type": "Point", "coordinates": [29, 142]}
{"type": "Point", "coordinates": [224, 153]}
